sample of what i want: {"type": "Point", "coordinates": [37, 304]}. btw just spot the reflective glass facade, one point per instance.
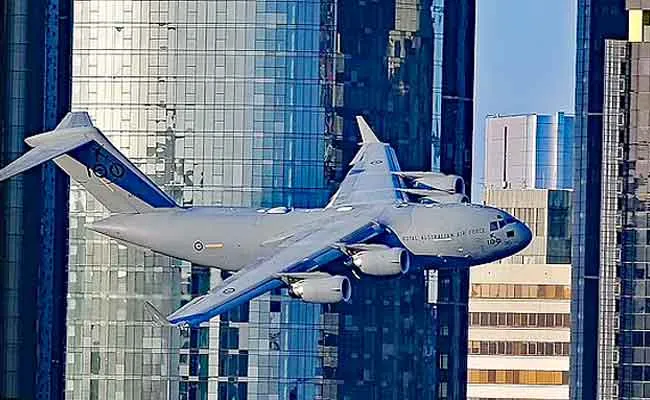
{"type": "Point", "coordinates": [384, 72]}
{"type": "Point", "coordinates": [452, 132]}
{"type": "Point", "coordinates": [222, 103]}
{"type": "Point", "coordinates": [611, 269]}
{"type": "Point", "coordinates": [248, 103]}
{"type": "Point", "coordinates": [34, 96]}
{"type": "Point", "coordinates": [624, 369]}
{"type": "Point", "coordinates": [388, 71]}
{"type": "Point", "coordinates": [597, 20]}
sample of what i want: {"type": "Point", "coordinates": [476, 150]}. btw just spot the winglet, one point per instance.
{"type": "Point", "coordinates": [367, 135]}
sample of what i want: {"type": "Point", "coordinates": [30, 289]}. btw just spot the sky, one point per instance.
{"type": "Point", "coordinates": [525, 62]}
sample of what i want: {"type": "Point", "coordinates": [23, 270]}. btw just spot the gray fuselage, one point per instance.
{"type": "Point", "coordinates": [231, 238]}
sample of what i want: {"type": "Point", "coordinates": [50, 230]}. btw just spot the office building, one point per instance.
{"type": "Point", "coordinates": [547, 213]}
{"type": "Point", "coordinates": [597, 20]}
{"type": "Point", "coordinates": [519, 306]}
{"type": "Point", "coordinates": [452, 135]}
{"type": "Point", "coordinates": [34, 96]}
{"type": "Point", "coordinates": [384, 72]}
{"type": "Point", "coordinates": [247, 104]}
{"type": "Point", "coordinates": [519, 332]}
{"type": "Point", "coordinates": [623, 369]}
{"type": "Point", "coordinates": [529, 151]}
{"type": "Point", "coordinates": [221, 103]}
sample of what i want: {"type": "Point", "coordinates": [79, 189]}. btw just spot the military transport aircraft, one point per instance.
{"type": "Point", "coordinates": [381, 222]}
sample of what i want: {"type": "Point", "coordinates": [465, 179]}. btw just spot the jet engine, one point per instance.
{"type": "Point", "coordinates": [322, 290]}
{"type": "Point", "coordinates": [384, 261]}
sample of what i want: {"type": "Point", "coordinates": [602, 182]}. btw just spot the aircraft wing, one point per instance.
{"type": "Point", "coordinates": [371, 178]}
{"type": "Point", "coordinates": [311, 249]}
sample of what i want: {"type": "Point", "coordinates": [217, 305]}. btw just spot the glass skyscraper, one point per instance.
{"type": "Point", "coordinates": [252, 103]}
{"type": "Point", "coordinates": [223, 103]}
{"type": "Point", "coordinates": [597, 20]}
{"type": "Point", "coordinates": [384, 72]}
{"type": "Point", "coordinates": [623, 339]}
{"type": "Point", "coordinates": [452, 132]}
{"type": "Point", "coordinates": [34, 95]}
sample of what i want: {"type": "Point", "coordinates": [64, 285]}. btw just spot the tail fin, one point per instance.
{"type": "Point", "coordinates": [85, 154]}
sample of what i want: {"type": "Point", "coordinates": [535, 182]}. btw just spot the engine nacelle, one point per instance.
{"type": "Point", "coordinates": [383, 262]}
{"type": "Point", "coordinates": [332, 289]}
{"type": "Point", "coordinates": [435, 180]}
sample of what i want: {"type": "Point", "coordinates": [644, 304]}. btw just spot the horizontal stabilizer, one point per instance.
{"type": "Point", "coordinates": [89, 158]}
{"type": "Point", "coordinates": [41, 154]}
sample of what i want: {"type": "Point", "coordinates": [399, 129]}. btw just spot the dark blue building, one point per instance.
{"type": "Point", "coordinates": [597, 20]}
{"type": "Point", "coordinates": [426, 49]}
{"type": "Point", "coordinates": [35, 61]}
{"type": "Point", "coordinates": [385, 73]}
{"type": "Point", "coordinates": [454, 29]}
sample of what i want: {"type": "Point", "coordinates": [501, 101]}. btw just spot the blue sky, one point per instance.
{"type": "Point", "coordinates": [525, 61]}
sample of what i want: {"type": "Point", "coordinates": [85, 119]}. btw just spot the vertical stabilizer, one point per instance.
{"type": "Point", "coordinates": [85, 154]}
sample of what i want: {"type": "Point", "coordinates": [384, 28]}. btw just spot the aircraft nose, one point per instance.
{"type": "Point", "coordinates": [525, 234]}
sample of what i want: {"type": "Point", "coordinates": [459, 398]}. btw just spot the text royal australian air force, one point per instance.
{"type": "Point", "coordinates": [381, 222]}
{"type": "Point", "coordinates": [445, 235]}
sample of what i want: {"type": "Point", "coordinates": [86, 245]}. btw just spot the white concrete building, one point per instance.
{"type": "Point", "coordinates": [519, 321]}
{"type": "Point", "coordinates": [529, 151]}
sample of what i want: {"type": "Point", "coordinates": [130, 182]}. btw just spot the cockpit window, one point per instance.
{"type": "Point", "coordinates": [501, 222]}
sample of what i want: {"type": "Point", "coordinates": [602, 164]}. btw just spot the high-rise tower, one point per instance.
{"type": "Point", "coordinates": [221, 103]}
{"type": "Point", "coordinates": [597, 20]}
{"type": "Point", "coordinates": [251, 103]}
{"type": "Point", "coordinates": [519, 306]}
{"type": "Point", "coordinates": [35, 55]}
{"type": "Point", "coordinates": [452, 133]}
{"type": "Point", "coordinates": [623, 369]}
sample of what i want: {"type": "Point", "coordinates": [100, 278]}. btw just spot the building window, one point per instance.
{"type": "Point", "coordinates": [95, 362]}
{"type": "Point", "coordinates": [520, 291]}
{"type": "Point", "coordinates": [94, 389]}
{"type": "Point", "coordinates": [520, 320]}
{"type": "Point", "coordinates": [517, 348]}
{"type": "Point", "coordinates": [518, 377]}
